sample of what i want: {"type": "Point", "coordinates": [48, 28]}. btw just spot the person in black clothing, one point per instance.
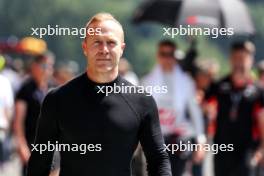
{"type": "Point", "coordinates": [239, 114]}
{"type": "Point", "coordinates": [77, 114]}
{"type": "Point", "coordinates": [28, 102]}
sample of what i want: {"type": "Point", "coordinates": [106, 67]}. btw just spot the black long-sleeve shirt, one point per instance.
{"type": "Point", "coordinates": [77, 114]}
{"type": "Point", "coordinates": [237, 114]}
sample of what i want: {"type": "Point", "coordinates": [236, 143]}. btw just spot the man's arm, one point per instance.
{"type": "Point", "coordinates": [197, 120]}
{"type": "Point", "coordinates": [152, 142]}
{"type": "Point", "coordinates": [23, 150]}
{"type": "Point", "coordinates": [21, 107]}
{"type": "Point", "coordinates": [47, 131]}
{"type": "Point", "coordinates": [196, 115]}
{"type": "Point", "coordinates": [258, 157]}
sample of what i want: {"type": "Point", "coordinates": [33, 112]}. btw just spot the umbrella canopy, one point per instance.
{"type": "Point", "coordinates": [166, 11]}
{"type": "Point", "coordinates": [198, 13]}
{"type": "Point", "coordinates": [236, 16]}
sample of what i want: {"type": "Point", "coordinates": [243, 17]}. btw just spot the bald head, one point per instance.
{"type": "Point", "coordinates": [104, 50]}
{"type": "Point", "coordinates": [99, 18]}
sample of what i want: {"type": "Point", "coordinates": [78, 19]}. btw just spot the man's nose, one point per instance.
{"type": "Point", "coordinates": [104, 48]}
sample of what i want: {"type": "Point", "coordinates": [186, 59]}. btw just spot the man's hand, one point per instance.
{"type": "Point", "coordinates": [257, 159]}
{"type": "Point", "coordinates": [198, 156]}
{"type": "Point", "coordinates": [24, 153]}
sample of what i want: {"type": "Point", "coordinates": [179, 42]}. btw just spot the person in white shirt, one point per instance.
{"type": "Point", "coordinates": [180, 115]}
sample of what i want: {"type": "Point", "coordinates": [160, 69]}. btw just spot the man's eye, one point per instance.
{"type": "Point", "coordinates": [96, 42]}
{"type": "Point", "coordinates": [111, 43]}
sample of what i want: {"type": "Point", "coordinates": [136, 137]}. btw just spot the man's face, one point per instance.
{"type": "Point", "coordinates": [241, 61]}
{"type": "Point", "coordinates": [166, 57]}
{"type": "Point", "coordinates": [203, 80]}
{"type": "Point", "coordinates": [43, 69]}
{"type": "Point", "coordinates": [104, 51]}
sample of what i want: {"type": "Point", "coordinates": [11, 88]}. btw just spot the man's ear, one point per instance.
{"type": "Point", "coordinates": [84, 47]}
{"type": "Point", "coordinates": [123, 45]}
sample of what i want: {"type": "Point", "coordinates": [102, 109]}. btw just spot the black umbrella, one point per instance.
{"type": "Point", "coordinates": [198, 13]}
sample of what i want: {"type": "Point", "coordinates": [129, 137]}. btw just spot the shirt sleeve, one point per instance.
{"type": "Point", "coordinates": [22, 94]}
{"type": "Point", "coordinates": [196, 114]}
{"type": "Point", "coordinates": [152, 142]}
{"type": "Point", "coordinates": [47, 133]}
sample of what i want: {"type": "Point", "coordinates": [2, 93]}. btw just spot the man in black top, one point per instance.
{"type": "Point", "coordinates": [28, 102]}
{"type": "Point", "coordinates": [77, 114]}
{"type": "Point", "coordinates": [239, 119]}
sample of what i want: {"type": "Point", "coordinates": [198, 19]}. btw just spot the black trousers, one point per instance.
{"type": "Point", "coordinates": [197, 169]}
{"type": "Point", "coordinates": [179, 159]}
{"type": "Point", "coordinates": [228, 164]}
{"type": "Point", "coordinates": [178, 164]}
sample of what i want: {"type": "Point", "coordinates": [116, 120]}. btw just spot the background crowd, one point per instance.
{"type": "Point", "coordinates": [215, 86]}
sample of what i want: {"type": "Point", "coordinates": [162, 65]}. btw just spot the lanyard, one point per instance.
{"type": "Point", "coordinates": [235, 101]}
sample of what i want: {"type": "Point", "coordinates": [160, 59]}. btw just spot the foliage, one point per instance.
{"type": "Point", "coordinates": [17, 18]}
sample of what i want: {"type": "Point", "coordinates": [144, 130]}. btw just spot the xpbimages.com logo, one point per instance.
{"type": "Point", "coordinates": [190, 147]}
{"type": "Point", "coordinates": [64, 31]}
{"type": "Point", "coordinates": [81, 148]}
{"type": "Point", "coordinates": [132, 89]}
{"type": "Point", "coordinates": [197, 31]}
